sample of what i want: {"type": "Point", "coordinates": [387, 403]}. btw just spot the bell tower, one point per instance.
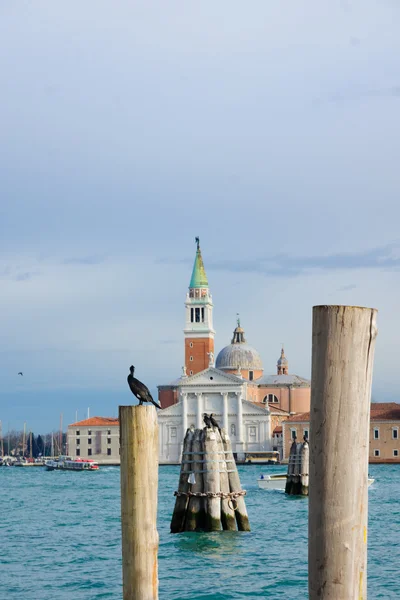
{"type": "Point", "coordinates": [199, 332]}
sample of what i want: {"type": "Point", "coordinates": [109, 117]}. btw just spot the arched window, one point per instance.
{"type": "Point", "coordinates": [233, 429]}
{"type": "Point", "coordinates": [271, 399]}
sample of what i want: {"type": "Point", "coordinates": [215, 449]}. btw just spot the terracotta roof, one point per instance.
{"type": "Point", "coordinates": [93, 421]}
{"type": "Point", "coordinates": [300, 418]}
{"type": "Point", "coordinates": [276, 409]}
{"type": "Point", "coordinates": [278, 429]}
{"type": "Point", "coordinates": [380, 411]}
{"type": "Point", "coordinates": [385, 411]}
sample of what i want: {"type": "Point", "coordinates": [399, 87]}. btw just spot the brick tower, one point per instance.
{"type": "Point", "coordinates": [199, 332]}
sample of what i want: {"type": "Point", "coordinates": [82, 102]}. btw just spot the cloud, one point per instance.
{"type": "Point", "coordinates": [282, 265]}
{"type": "Point", "coordinates": [24, 276]}
{"type": "Point", "coordinates": [347, 288]}
{"type": "Point", "coordinates": [84, 260]}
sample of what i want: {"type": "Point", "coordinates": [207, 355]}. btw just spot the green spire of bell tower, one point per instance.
{"type": "Point", "coordinates": [199, 277]}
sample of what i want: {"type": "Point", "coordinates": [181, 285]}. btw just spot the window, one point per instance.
{"type": "Point", "coordinates": [173, 432]}
{"type": "Point", "coordinates": [89, 432]}
{"type": "Point", "coordinates": [271, 398]}
{"type": "Point", "coordinates": [252, 432]}
{"type": "Point", "coordinates": [191, 358]}
{"type": "Point", "coordinates": [305, 433]}
{"type": "Point", "coordinates": [78, 452]}
{"type": "Point", "coordinates": [197, 315]}
{"type": "Point", "coordinates": [108, 440]}
{"type": "Point", "coordinates": [251, 375]}
{"type": "Point", "coordinates": [108, 451]}
{"type": "Point", "coordinates": [293, 434]}
{"type": "Point", "coordinates": [89, 452]}
{"type": "Point", "coordinates": [89, 441]}
{"type": "Point", "coordinates": [78, 432]}
{"type": "Point", "coordinates": [395, 452]}
{"type": "Point", "coordinates": [376, 434]}
{"type": "Point", "coordinates": [377, 453]}
{"type": "Point", "coordinates": [109, 432]}
{"type": "Point", "coordinates": [191, 315]}
{"type": "Point", "coordinates": [78, 441]}
{"type": "Point", "coordinates": [190, 372]}
{"type": "Point", "coordinates": [202, 314]}
{"type": "Point", "coordinates": [191, 344]}
{"type": "Point", "coordinates": [395, 433]}
{"type": "Point", "coordinates": [233, 429]}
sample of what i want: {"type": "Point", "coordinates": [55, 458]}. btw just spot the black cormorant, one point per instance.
{"type": "Point", "coordinates": [207, 421]}
{"type": "Point", "coordinates": [214, 422]}
{"type": "Point", "coordinates": [138, 388]}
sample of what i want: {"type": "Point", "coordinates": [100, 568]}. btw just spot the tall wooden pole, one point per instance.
{"type": "Point", "coordinates": [342, 358]}
{"type": "Point", "coordinates": [139, 487]}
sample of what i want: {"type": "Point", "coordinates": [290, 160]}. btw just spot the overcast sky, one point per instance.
{"type": "Point", "coordinates": [269, 129]}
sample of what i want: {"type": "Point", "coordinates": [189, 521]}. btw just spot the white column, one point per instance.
{"type": "Point", "coordinates": [239, 418]}
{"type": "Point", "coordinates": [225, 411]}
{"type": "Point", "coordinates": [199, 414]}
{"type": "Point", "coordinates": [184, 414]}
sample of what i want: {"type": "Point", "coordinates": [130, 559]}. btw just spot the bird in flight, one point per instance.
{"type": "Point", "coordinates": [20, 373]}
{"type": "Point", "coordinates": [140, 390]}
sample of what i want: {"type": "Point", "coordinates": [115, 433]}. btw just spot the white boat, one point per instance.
{"type": "Point", "coordinates": [278, 481]}
{"type": "Point", "coordinates": [67, 463]}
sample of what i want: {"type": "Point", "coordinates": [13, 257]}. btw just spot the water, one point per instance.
{"type": "Point", "coordinates": [60, 538]}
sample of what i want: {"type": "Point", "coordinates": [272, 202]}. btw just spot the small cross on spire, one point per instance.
{"type": "Point", "coordinates": [198, 242]}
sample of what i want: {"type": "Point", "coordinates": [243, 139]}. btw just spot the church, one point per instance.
{"type": "Point", "coordinates": [250, 405]}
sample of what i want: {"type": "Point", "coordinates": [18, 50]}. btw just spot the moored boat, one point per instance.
{"type": "Point", "coordinates": [67, 463]}
{"type": "Point", "coordinates": [278, 481]}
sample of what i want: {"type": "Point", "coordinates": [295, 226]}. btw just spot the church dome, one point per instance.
{"type": "Point", "coordinates": [239, 354]}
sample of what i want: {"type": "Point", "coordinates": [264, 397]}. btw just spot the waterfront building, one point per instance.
{"type": "Point", "coordinates": [96, 438]}
{"type": "Point", "coordinates": [248, 403]}
{"type": "Point", "coordinates": [384, 441]}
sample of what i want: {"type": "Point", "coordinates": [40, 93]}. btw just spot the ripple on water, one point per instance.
{"type": "Point", "coordinates": [61, 539]}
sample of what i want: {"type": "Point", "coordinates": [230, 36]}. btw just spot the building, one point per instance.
{"type": "Point", "coordinates": [248, 403]}
{"type": "Point", "coordinates": [96, 438]}
{"type": "Point", "coordinates": [384, 442]}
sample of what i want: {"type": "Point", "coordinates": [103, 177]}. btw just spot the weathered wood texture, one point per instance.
{"type": "Point", "coordinates": [228, 519]}
{"type": "Point", "coordinates": [195, 514]}
{"type": "Point", "coordinates": [212, 480]}
{"type": "Point", "coordinates": [139, 487]}
{"type": "Point", "coordinates": [343, 344]}
{"type": "Point", "coordinates": [181, 503]}
{"type": "Point", "coordinates": [241, 515]}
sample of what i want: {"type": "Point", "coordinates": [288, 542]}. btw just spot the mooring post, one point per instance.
{"type": "Point", "coordinates": [139, 487]}
{"type": "Point", "coordinates": [343, 344]}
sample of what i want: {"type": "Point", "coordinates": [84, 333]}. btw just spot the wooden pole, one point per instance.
{"type": "Point", "coordinates": [139, 487]}
{"type": "Point", "coordinates": [228, 519]}
{"type": "Point", "coordinates": [305, 468]}
{"type": "Point", "coordinates": [181, 503]}
{"type": "Point", "coordinates": [242, 518]}
{"type": "Point", "coordinates": [289, 487]}
{"type": "Point", "coordinates": [343, 344]}
{"type": "Point", "coordinates": [211, 480]}
{"type": "Point", "coordinates": [195, 515]}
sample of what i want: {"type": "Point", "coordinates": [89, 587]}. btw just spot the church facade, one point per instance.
{"type": "Point", "coordinates": [247, 403]}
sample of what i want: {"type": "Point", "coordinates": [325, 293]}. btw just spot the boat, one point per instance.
{"type": "Point", "coordinates": [278, 481]}
{"type": "Point", "coordinates": [264, 457]}
{"type": "Point", "coordinates": [67, 463]}
{"type": "Point", "coordinates": [26, 462]}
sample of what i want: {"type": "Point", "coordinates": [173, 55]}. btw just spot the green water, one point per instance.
{"type": "Point", "coordinates": [60, 540]}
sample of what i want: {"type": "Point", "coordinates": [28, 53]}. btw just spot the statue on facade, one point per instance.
{"type": "Point", "coordinates": [210, 359]}
{"type": "Point", "coordinates": [184, 374]}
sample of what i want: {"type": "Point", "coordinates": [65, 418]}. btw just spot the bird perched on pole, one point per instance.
{"type": "Point", "coordinates": [207, 421]}
{"type": "Point", "coordinates": [138, 388]}
{"type": "Point", "coordinates": [214, 422]}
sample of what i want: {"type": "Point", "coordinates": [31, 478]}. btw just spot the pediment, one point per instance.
{"type": "Point", "coordinates": [211, 376]}
{"type": "Point", "coordinates": [253, 409]}
{"type": "Point", "coordinates": [175, 410]}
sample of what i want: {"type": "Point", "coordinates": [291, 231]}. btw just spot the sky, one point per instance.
{"type": "Point", "coordinates": [269, 129]}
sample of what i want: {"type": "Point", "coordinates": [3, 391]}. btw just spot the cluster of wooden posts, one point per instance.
{"type": "Point", "coordinates": [298, 469]}
{"type": "Point", "coordinates": [209, 495]}
{"type": "Point", "coordinates": [342, 357]}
